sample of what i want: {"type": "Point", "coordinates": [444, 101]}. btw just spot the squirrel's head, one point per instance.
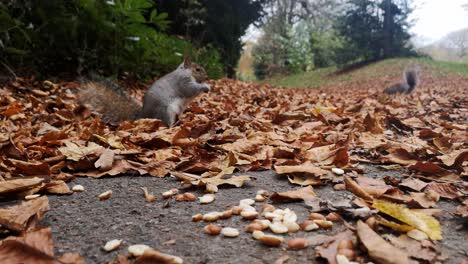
{"type": "Point", "coordinates": [198, 72]}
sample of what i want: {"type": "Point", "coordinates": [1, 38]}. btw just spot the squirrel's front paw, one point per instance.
{"type": "Point", "coordinates": [206, 88]}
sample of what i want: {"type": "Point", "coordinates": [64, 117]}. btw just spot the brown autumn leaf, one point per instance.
{"type": "Point", "coordinates": [400, 156]}
{"type": "Point", "coordinates": [31, 168]}
{"type": "Point", "coordinates": [355, 188]}
{"type": "Point", "coordinates": [445, 190]}
{"type": "Point", "coordinates": [77, 152]}
{"type": "Point", "coordinates": [455, 158]}
{"type": "Point", "coordinates": [303, 181]}
{"type": "Point", "coordinates": [414, 248]}
{"type": "Point", "coordinates": [329, 249]}
{"type": "Point", "coordinates": [39, 239]}
{"type": "Point", "coordinates": [421, 200]}
{"type": "Point", "coordinates": [374, 187]}
{"type": "Point", "coordinates": [17, 217]}
{"type": "Point", "coordinates": [306, 194]}
{"type": "Point", "coordinates": [378, 249]}
{"type": "Point", "coordinates": [71, 258]}
{"type": "Point", "coordinates": [56, 187]}
{"type": "Point", "coordinates": [14, 252]}
{"type": "Point", "coordinates": [433, 170]}
{"type": "Point", "coordinates": [211, 184]}
{"type": "Point", "coordinates": [35, 246]}
{"type": "Point", "coordinates": [414, 184]}
{"type": "Point", "coordinates": [306, 169]}
{"type": "Point", "coordinates": [18, 185]}
{"type": "Point", "coordinates": [119, 167]}
{"type": "Point", "coordinates": [372, 125]}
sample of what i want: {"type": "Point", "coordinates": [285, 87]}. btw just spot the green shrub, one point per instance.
{"type": "Point", "coordinates": [111, 37]}
{"type": "Point", "coordinates": [210, 59]}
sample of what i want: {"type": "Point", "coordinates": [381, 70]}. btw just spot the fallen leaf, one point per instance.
{"type": "Point", "coordinates": [35, 246]}
{"type": "Point", "coordinates": [31, 168]}
{"type": "Point", "coordinates": [379, 250]}
{"type": "Point", "coordinates": [14, 252]}
{"type": "Point", "coordinates": [71, 258]}
{"type": "Point", "coordinates": [434, 171]}
{"type": "Point", "coordinates": [372, 125]}
{"type": "Point", "coordinates": [427, 224]}
{"type": "Point", "coordinates": [414, 248]}
{"type": "Point", "coordinates": [75, 152]}
{"type": "Point", "coordinates": [328, 250]}
{"type": "Point", "coordinates": [307, 169]}
{"type": "Point", "coordinates": [446, 190]}
{"type": "Point", "coordinates": [355, 188]}
{"type": "Point", "coordinates": [421, 200]}
{"type": "Point", "coordinates": [414, 184]}
{"type": "Point", "coordinates": [56, 187]}
{"type": "Point", "coordinates": [211, 184]}
{"type": "Point", "coordinates": [18, 185]}
{"type": "Point", "coordinates": [306, 194]}
{"type": "Point", "coordinates": [17, 217]}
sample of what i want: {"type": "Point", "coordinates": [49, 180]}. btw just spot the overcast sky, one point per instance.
{"type": "Point", "coordinates": [437, 18]}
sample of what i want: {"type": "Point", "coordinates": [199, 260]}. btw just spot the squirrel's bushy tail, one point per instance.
{"type": "Point", "coordinates": [411, 77]}
{"type": "Point", "coordinates": [114, 106]}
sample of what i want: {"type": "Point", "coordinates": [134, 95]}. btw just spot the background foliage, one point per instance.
{"type": "Point", "coordinates": [300, 35]}
{"type": "Point", "coordinates": [111, 37]}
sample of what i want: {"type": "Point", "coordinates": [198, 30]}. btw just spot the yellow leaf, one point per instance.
{"type": "Point", "coordinates": [425, 223]}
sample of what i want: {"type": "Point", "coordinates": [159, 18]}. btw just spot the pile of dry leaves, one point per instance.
{"type": "Point", "coordinates": [47, 139]}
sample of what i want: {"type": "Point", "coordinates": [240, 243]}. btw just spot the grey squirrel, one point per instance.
{"type": "Point", "coordinates": [166, 99]}
{"type": "Point", "coordinates": [411, 81]}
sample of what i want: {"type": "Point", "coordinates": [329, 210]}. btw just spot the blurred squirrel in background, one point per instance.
{"type": "Point", "coordinates": [411, 78]}
{"type": "Point", "coordinates": [166, 99]}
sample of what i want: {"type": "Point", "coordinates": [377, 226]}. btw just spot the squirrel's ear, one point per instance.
{"type": "Point", "coordinates": [187, 62]}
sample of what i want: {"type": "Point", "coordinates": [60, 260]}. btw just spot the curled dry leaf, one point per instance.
{"type": "Point", "coordinates": [19, 216]}
{"type": "Point", "coordinates": [56, 187]}
{"type": "Point", "coordinates": [18, 185]}
{"type": "Point", "coordinates": [31, 168]}
{"type": "Point", "coordinates": [211, 184]}
{"type": "Point", "coordinates": [33, 247]}
{"type": "Point", "coordinates": [306, 194]}
{"type": "Point", "coordinates": [380, 250]}
{"type": "Point", "coordinates": [355, 188]}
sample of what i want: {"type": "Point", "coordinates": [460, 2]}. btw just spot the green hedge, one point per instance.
{"type": "Point", "coordinates": [111, 37]}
